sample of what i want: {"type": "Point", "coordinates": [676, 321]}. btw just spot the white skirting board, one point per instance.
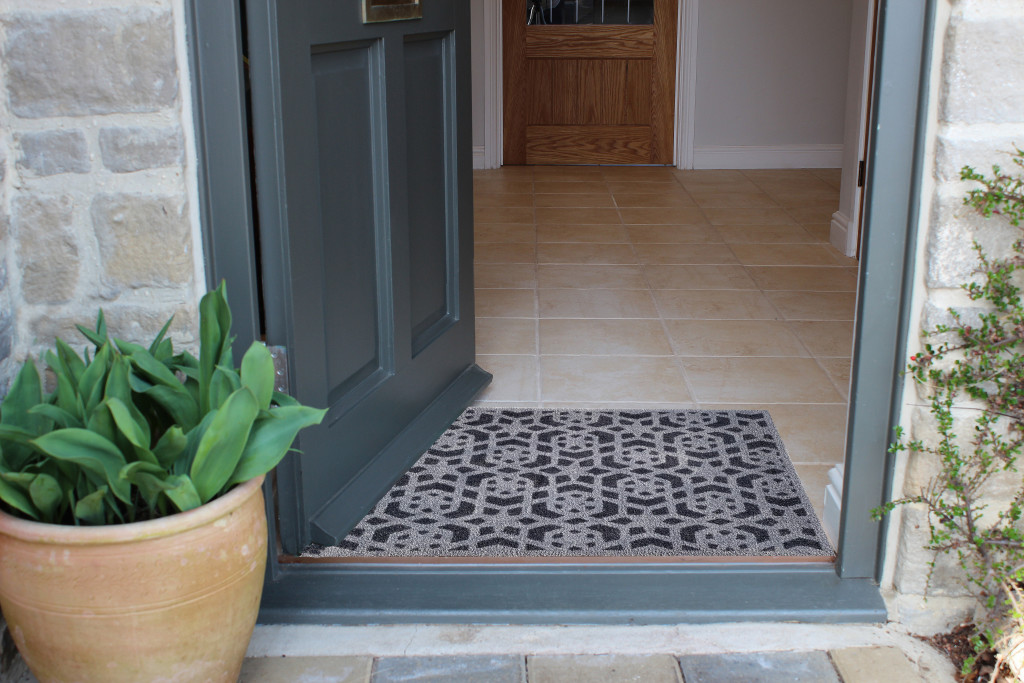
{"type": "Point", "coordinates": [782, 156]}
{"type": "Point", "coordinates": [833, 502]}
{"type": "Point", "coordinates": [839, 234]}
{"type": "Point", "coordinates": [479, 157]}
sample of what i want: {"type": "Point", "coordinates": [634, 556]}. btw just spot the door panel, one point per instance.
{"type": "Point", "coordinates": [589, 94]}
{"type": "Point", "coordinates": [364, 191]}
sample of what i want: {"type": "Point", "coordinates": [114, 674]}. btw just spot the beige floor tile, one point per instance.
{"type": "Point", "coordinates": [670, 234]}
{"type": "Point", "coordinates": [505, 276]}
{"type": "Point", "coordinates": [488, 199]}
{"type": "Point", "coordinates": [508, 172]}
{"type": "Point", "coordinates": [638, 173]}
{"type": "Point", "coordinates": [515, 378]}
{"type": "Point", "coordinates": [569, 187]}
{"type": "Point", "coordinates": [586, 200]}
{"type": "Point", "coordinates": [504, 232]}
{"type": "Point", "coordinates": [621, 405]}
{"type": "Point", "coordinates": [821, 232]}
{"type": "Point", "coordinates": [698, 277]}
{"type": "Point", "coordinates": [613, 378]}
{"type": "Point", "coordinates": [562, 173]}
{"type": "Point", "coordinates": [591, 277]}
{"type": "Point", "coordinates": [832, 176]}
{"type": "Point", "coordinates": [747, 338]}
{"type": "Point", "coordinates": [758, 380]}
{"type": "Point", "coordinates": [597, 303]}
{"type": "Point", "coordinates": [825, 339]}
{"type": "Point", "coordinates": [509, 252]}
{"type": "Point", "coordinates": [678, 198]}
{"type": "Point", "coordinates": [813, 214]}
{"type": "Point", "coordinates": [603, 337]}
{"type": "Point", "coordinates": [841, 258]}
{"type": "Point", "coordinates": [805, 278]}
{"type": "Point", "coordinates": [663, 216]}
{"type": "Point", "coordinates": [506, 303]}
{"type": "Point", "coordinates": [714, 304]}
{"type": "Point", "coordinates": [585, 253]}
{"type": "Point", "coordinates": [733, 200]}
{"type": "Point", "coordinates": [503, 214]}
{"type": "Point", "coordinates": [723, 179]}
{"type": "Point", "coordinates": [782, 177]}
{"type": "Point", "coordinates": [641, 186]}
{"type": "Point", "coordinates": [815, 305]}
{"type": "Point", "coordinates": [812, 433]}
{"type": "Point", "coordinates": [815, 480]}
{"type": "Point", "coordinates": [765, 234]}
{"type": "Point", "coordinates": [608, 234]}
{"type": "Point", "coordinates": [486, 186]}
{"type": "Point", "coordinates": [506, 336]}
{"type": "Point", "coordinates": [748, 217]}
{"type": "Point", "coordinates": [783, 255]}
{"type": "Point", "coordinates": [838, 370]}
{"type": "Point", "coordinates": [684, 253]}
{"type": "Point", "coordinates": [563, 216]}
{"type": "Point", "coordinates": [818, 194]}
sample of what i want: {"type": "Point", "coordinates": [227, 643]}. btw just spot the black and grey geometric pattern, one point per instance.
{"type": "Point", "coordinates": [528, 483]}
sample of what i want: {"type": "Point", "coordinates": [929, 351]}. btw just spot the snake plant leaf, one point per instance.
{"type": "Point", "coordinates": [93, 380]}
{"type": "Point", "coordinates": [182, 492]}
{"type": "Point", "coordinates": [170, 446]}
{"type": "Point", "coordinates": [129, 348]}
{"type": "Point", "coordinates": [25, 392]}
{"type": "Point", "coordinates": [17, 499]}
{"type": "Point", "coordinates": [102, 422]}
{"type": "Point", "coordinates": [118, 385]}
{"type": "Point", "coordinates": [61, 417]}
{"type": "Point", "coordinates": [152, 369]}
{"type": "Point", "coordinates": [280, 399]}
{"type": "Point", "coordinates": [47, 496]}
{"type": "Point", "coordinates": [90, 509]}
{"type": "Point", "coordinates": [211, 339]}
{"type": "Point", "coordinates": [137, 434]}
{"type": "Point", "coordinates": [271, 437]}
{"type": "Point", "coordinates": [221, 446]}
{"type": "Point", "coordinates": [257, 373]}
{"type": "Point", "coordinates": [177, 402]}
{"type": "Point", "coordinates": [14, 435]}
{"type": "Point", "coordinates": [159, 339]}
{"type": "Point", "coordinates": [67, 398]}
{"type": "Point", "coordinates": [90, 451]}
{"type": "Point", "coordinates": [71, 362]}
{"type": "Point", "coordinates": [148, 478]}
{"type": "Point", "coordinates": [224, 383]}
{"type": "Point", "coordinates": [98, 337]}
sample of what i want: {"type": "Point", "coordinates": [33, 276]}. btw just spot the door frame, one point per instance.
{"type": "Point", "coordinates": [597, 592]}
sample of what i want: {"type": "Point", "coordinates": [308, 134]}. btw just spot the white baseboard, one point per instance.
{"type": "Point", "coordinates": [782, 156]}
{"type": "Point", "coordinates": [839, 232]}
{"type": "Point", "coordinates": [479, 156]}
{"type": "Point", "coordinates": [833, 502]}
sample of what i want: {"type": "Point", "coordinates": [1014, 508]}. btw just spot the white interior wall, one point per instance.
{"type": "Point", "coordinates": [771, 83]}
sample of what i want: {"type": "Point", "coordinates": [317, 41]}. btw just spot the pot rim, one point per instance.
{"type": "Point", "coordinates": [68, 534]}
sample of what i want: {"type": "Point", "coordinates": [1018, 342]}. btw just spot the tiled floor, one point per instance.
{"type": "Point", "coordinates": [630, 286]}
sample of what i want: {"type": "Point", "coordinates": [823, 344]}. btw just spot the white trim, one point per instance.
{"type": "Point", "coordinates": [493, 144]}
{"type": "Point", "coordinates": [480, 157]}
{"type": "Point", "coordinates": [686, 82]}
{"type": "Point", "coordinates": [839, 234]}
{"type": "Point", "coordinates": [776, 156]}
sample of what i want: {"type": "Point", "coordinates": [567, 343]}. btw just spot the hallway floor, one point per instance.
{"type": "Point", "coordinates": [649, 286]}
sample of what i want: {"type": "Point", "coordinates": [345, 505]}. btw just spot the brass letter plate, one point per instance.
{"type": "Point", "coordinates": [391, 10]}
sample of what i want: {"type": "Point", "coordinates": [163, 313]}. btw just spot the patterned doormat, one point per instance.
{"type": "Point", "coordinates": [546, 483]}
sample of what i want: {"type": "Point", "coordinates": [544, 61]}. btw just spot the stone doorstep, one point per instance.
{"type": "Point", "coordinates": [849, 665]}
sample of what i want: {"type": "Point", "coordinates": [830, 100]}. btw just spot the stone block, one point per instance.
{"type": "Point", "coordinates": [74, 63]}
{"type": "Point", "coordinates": [913, 573]}
{"type": "Point", "coordinates": [144, 240]}
{"type": "Point", "coordinates": [603, 669]}
{"type": "Point", "coordinates": [481, 669]}
{"type": "Point", "coordinates": [306, 670]}
{"type": "Point", "coordinates": [983, 73]}
{"type": "Point", "coordinates": [6, 335]}
{"type": "Point", "coordinates": [972, 147]}
{"type": "Point", "coordinates": [47, 251]}
{"type": "Point", "coordinates": [759, 667]}
{"type": "Point", "coordinates": [931, 615]}
{"type": "Point", "coordinates": [125, 150]}
{"type": "Point", "coordinates": [132, 323]}
{"type": "Point", "coordinates": [873, 664]}
{"type": "Point", "coordinates": [952, 259]}
{"type": "Point", "coordinates": [51, 152]}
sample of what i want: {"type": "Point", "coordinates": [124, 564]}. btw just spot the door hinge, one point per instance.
{"type": "Point", "coordinates": [280, 356]}
{"type": "Point", "coordinates": [861, 172]}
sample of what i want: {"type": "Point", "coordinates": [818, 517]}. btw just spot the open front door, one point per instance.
{"type": "Point", "coordinates": [364, 182]}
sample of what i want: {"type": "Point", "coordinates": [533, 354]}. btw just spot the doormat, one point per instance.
{"type": "Point", "coordinates": [568, 483]}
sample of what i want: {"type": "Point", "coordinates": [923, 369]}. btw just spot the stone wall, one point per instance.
{"type": "Point", "coordinates": [96, 172]}
{"type": "Point", "coordinates": [977, 117]}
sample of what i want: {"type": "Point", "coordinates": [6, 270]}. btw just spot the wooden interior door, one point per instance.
{"type": "Point", "coordinates": [589, 93]}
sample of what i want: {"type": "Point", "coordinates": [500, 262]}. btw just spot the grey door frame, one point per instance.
{"type": "Point", "coordinates": [594, 592]}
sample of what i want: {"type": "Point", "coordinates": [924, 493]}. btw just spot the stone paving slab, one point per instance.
{"type": "Point", "coordinates": [760, 667]}
{"type": "Point", "coordinates": [306, 670]}
{"type": "Point", "coordinates": [603, 669]}
{"type": "Point", "coordinates": [482, 669]}
{"type": "Point", "coordinates": [873, 664]}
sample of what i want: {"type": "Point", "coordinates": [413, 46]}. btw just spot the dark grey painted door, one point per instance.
{"type": "Point", "coordinates": [362, 155]}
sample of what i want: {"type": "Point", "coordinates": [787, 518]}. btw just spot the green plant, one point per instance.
{"type": "Point", "coordinates": [979, 371]}
{"type": "Point", "coordinates": [133, 433]}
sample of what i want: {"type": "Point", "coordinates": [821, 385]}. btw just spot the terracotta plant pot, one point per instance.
{"type": "Point", "coordinates": [171, 599]}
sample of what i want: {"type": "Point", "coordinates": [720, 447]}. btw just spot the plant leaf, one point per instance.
{"type": "Point", "coordinates": [221, 446]}
{"type": "Point", "coordinates": [153, 370]}
{"type": "Point", "coordinates": [89, 509]}
{"type": "Point", "coordinates": [182, 492]}
{"type": "Point", "coordinates": [92, 452]}
{"type": "Point", "coordinates": [271, 437]}
{"type": "Point", "coordinates": [60, 416]}
{"type": "Point", "coordinates": [99, 337]}
{"type": "Point", "coordinates": [26, 391]}
{"type": "Point", "coordinates": [95, 376]}
{"type": "Point", "coordinates": [47, 496]}
{"type": "Point", "coordinates": [224, 383]}
{"type": "Point", "coordinates": [71, 362]}
{"type": "Point", "coordinates": [171, 445]}
{"type": "Point", "coordinates": [257, 373]}
{"type": "Point", "coordinates": [17, 500]}
{"type": "Point", "coordinates": [158, 340]}
{"type": "Point", "coordinates": [137, 435]}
